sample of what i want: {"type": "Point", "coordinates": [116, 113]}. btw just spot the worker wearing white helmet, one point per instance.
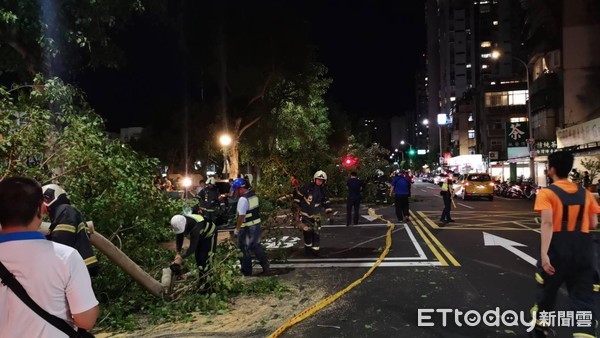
{"type": "Point", "coordinates": [68, 226]}
{"type": "Point", "coordinates": [308, 202]}
{"type": "Point", "coordinates": [203, 242]}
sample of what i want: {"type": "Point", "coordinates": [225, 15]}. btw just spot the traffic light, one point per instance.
{"type": "Point", "coordinates": [349, 161]}
{"type": "Point", "coordinates": [411, 152]}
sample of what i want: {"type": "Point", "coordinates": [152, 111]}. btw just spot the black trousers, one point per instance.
{"type": "Point", "coordinates": [204, 252]}
{"type": "Point", "coordinates": [401, 204]}
{"type": "Point", "coordinates": [447, 204]}
{"type": "Point", "coordinates": [312, 236]}
{"type": "Point", "coordinates": [572, 257]}
{"type": "Point", "coordinates": [353, 203]}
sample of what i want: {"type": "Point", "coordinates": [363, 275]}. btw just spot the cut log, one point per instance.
{"type": "Point", "coordinates": [126, 264]}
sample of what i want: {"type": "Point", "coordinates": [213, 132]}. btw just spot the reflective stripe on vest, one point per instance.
{"type": "Point", "coordinates": [252, 214]}
{"type": "Point", "coordinates": [209, 228]}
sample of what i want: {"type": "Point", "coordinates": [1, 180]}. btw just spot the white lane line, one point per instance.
{"type": "Point", "coordinates": [466, 206]}
{"type": "Point", "coordinates": [354, 265]}
{"type": "Point", "coordinates": [524, 226]}
{"type": "Point", "coordinates": [430, 187]}
{"type": "Point", "coordinates": [415, 243]}
{"type": "Point", "coordinates": [372, 259]}
{"type": "Point", "coordinates": [423, 190]}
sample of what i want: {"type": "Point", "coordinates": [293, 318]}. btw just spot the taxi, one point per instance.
{"type": "Point", "coordinates": [474, 185]}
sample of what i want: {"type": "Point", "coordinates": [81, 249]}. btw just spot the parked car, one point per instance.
{"type": "Point", "coordinates": [474, 185]}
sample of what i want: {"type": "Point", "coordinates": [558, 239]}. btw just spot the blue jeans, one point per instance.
{"type": "Point", "coordinates": [249, 241]}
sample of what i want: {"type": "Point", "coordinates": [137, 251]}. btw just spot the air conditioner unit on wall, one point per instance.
{"type": "Point", "coordinates": [493, 155]}
{"type": "Point", "coordinates": [553, 60]}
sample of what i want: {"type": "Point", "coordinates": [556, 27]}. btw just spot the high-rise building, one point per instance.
{"type": "Point", "coordinates": [468, 35]}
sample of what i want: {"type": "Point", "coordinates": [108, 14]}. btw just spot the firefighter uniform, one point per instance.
{"type": "Point", "coordinates": [209, 202]}
{"type": "Point", "coordinates": [570, 253]}
{"type": "Point", "coordinates": [203, 242]}
{"type": "Point", "coordinates": [68, 227]}
{"type": "Point", "coordinates": [309, 200]}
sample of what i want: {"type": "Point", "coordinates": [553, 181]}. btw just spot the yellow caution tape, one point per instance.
{"type": "Point", "coordinates": [312, 310]}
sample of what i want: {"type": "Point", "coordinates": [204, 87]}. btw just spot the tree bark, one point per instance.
{"type": "Point", "coordinates": [126, 264]}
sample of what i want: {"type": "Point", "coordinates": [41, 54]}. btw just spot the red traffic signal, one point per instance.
{"type": "Point", "coordinates": [349, 161]}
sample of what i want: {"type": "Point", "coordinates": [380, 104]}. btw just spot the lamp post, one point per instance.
{"type": "Point", "coordinates": [496, 55]}
{"type": "Point", "coordinates": [441, 121]}
{"type": "Point", "coordinates": [409, 152]}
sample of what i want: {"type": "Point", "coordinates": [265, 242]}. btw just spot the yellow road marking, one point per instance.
{"type": "Point", "coordinates": [431, 246]}
{"type": "Point", "coordinates": [435, 240]}
{"type": "Point", "coordinates": [428, 220]}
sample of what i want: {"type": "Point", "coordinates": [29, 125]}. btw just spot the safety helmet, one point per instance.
{"type": "Point", "coordinates": [238, 183]}
{"type": "Point", "coordinates": [51, 193]}
{"type": "Point", "coordinates": [379, 172]}
{"type": "Point", "coordinates": [210, 180]}
{"type": "Point", "coordinates": [178, 224]}
{"type": "Point", "coordinates": [320, 175]}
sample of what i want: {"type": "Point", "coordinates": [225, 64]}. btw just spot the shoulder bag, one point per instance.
{"type": "Point", "coordinates": [9, 280]}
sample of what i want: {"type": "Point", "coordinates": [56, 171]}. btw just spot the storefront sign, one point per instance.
{"type": "Point", "coordinates": [583, 133]}
{"type": "Point", "coordinates": [545, 147]}
{"type": "Point", "coordinates": [517, 134]}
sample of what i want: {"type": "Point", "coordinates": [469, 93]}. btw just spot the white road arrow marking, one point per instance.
{"type": "Point", "coordinates": [493, 240]}
{"type": "Point", "coordinates": [368, 217]}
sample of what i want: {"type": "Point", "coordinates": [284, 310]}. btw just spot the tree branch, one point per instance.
{"type": "Point", "coordinates": [262, 92]}
{"type": "Point", "coordinates": [67, 172]}
{"type": "Point", "coordinates": [248, 125]}
{"type": "Point", "coordinates": [10, 163]}
{"type": "Point", "coordinates": [20, 49]}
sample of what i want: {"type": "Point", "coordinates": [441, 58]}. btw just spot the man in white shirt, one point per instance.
{"type": "Point", "coordinates": [248, 228]}
{"type": "Point", "coordinates": [54, 275]}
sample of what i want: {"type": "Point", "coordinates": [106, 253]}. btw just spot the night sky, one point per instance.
{"type": "Point", "coordinates": [372, 49]}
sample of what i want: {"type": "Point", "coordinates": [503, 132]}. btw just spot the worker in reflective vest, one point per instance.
{"type": "Point", "coordinates": [447, 193]}
{"type": "Point", "coordinates": [248, 228]}
{"type": "Point", "coordinates": [203, 242]}
{"type": "Point", "coordinates": [568, 213]}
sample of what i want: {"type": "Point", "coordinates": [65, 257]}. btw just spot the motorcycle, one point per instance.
{"type": "Point", "coordinates": [531, 191]}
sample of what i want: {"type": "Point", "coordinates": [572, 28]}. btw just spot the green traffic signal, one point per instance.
{"type": "Point", "coordinates": [411, 152]}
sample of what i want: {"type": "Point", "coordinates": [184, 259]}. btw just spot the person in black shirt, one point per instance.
{"type": "Point", "coordinates": [203, 242]}
{"type": "Point", "coordinates": [353, 202]}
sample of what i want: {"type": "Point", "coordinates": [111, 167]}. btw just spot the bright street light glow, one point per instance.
{"type": "Point", "coordinates": [402, 142]}
{"type": "Point", "coordinates": [187, 182]}
{"type": "Point", "coordinates": [495, 54]}
{"type": "Point", "coordinates": [225, 140]}
{"type": "Point", "coordinates": [426, 122]}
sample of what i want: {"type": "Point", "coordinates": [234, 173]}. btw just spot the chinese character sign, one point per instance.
{"type": "Point", "coordinates": [517, 134]}
{"type": "Point", "coordinates": [546, 147]}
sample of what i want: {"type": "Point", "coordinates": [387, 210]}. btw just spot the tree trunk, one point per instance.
{"type": "Point", "coordinates": [126, 264]}
{"type": "Point", "coordinates": [234, 159]}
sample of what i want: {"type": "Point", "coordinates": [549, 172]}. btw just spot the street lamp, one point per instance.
{"type": "Point", "coordinates": [496, 55]}
{"type": "Point", "coordinates": [409, 152]}
{"type": "Point", "coordinates": [441, 121]}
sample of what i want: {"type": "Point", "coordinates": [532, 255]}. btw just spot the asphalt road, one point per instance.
{"type": "Point", "coordinates": [484, 261]}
